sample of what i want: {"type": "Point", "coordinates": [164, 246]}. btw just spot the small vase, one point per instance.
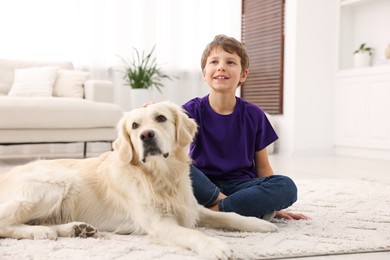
{"type": "Point", "coordinates": [387, 52]}
{"type": "Point", "coordinates": [361, 59]}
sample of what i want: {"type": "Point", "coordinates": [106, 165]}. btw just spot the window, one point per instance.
{"type": "Point", "coordinates": [263, 36]}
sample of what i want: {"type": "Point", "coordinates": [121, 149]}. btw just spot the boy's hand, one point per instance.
{"type": "Point", "coordinates": [291, 215]}
{"type": "Point", "coordinates": [147, 104]}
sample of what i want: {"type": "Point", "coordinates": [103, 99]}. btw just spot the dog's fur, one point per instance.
{"type": "Point", "coordinates": [141, 187]}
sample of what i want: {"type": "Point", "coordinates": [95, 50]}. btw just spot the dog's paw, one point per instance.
{"type": "Point", "coordinates": [266, 226]}
{"type": "Point", "coordinates": [216, 249]}
{"type": "Point", "coordinates": [252, 224]}
{"type": "Point", "coordinates": [84, 230]}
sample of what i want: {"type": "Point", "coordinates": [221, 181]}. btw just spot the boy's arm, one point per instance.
{"type": "Point", "coordinates": [263, 167]}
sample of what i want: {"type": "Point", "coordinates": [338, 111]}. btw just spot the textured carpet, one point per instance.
{"type": "Point", "coordinates": [348, 216]}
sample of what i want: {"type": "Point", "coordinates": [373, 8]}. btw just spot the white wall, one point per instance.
{"type": "Point", "coordinates": [310, 64]}
{"type": "Point", "coordinates": [93, 33]}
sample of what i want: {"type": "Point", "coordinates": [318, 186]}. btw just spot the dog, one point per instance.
{"type": "Point", "coordinates": [140, 187]}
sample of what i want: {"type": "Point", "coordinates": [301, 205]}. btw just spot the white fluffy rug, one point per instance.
{"type": "Point", "coordinates": [348, 216]}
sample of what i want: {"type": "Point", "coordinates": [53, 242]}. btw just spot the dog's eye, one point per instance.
{"type": "Point", "coordinates": [134, 126]}
{"type": "Point", "coordinates": [161, 118]}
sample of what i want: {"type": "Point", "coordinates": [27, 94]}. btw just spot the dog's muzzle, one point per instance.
{"type": "Point", "coordinates": [148, 138]}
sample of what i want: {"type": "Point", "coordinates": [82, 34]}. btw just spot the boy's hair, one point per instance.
{"type": "Point", "coordinates": [228, 44]}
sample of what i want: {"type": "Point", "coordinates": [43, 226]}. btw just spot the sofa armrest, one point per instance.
{"type": "Point", "coordinates": [99, 90]}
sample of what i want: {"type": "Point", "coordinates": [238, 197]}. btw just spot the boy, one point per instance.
{"type": "Point", "coordinates": [231, 171]}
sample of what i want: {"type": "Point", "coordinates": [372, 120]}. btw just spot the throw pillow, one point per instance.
{"type": "Point", "coordinates": [69, 83]}
{"type": "Point", "coordinates": [33, 82]}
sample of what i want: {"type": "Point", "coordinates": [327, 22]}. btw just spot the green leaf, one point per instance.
{"type": "Point", "coordinates": [142, 71]}
{"type": "Point", "coordinates": [363, 48]}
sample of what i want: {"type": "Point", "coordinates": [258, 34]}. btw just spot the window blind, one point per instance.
{"type": "Point", "coordinates": [263, 36]}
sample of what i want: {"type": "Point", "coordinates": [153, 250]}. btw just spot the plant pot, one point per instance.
{"type": "Point", "coordinates": [139, 96]}
{"type": "Point", "coordinates": [361, 59]}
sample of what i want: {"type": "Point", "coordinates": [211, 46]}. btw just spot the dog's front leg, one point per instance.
{"type": "Point", "coordinates": [233, 221]}
{"type": "Point", "coordinates": [167, 229]}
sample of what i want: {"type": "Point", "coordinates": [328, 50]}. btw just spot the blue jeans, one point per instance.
{"type": "Point", "coordinates": [255, 197]}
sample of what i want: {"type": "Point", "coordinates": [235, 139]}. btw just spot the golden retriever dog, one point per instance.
{"type": "Point", "coordinates": [141, 187]}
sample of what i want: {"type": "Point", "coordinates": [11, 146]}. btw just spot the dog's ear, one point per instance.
{"type": "Point", "coordinates": [122, 145]}
{"type": "Point", "coordinates": [186, 127]}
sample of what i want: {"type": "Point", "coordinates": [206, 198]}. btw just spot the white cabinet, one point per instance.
{"type": "Point", "coordinates": [362, 96]}
{"type": "Point", "coordinates": [362, 109]}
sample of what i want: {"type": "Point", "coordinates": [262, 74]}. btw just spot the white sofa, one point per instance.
{"type": "Point", "coordinates": [72, 109]}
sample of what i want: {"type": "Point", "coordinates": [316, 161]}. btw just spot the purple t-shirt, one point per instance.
{"type": "Point", "coordinates": [225, 145]}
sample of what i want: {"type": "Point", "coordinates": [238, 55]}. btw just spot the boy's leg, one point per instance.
{"type": "Point", "coordinates": [257, 197]}
{"type": "Point", "coordinates": [206, 193]}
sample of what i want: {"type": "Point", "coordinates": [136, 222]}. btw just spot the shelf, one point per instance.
{"type": "Point", "coordinates": [362, 21]}
{"type": "Point", "coordinates": [381, 69]}
{"type": "Point", "coordinates": [353, 2]}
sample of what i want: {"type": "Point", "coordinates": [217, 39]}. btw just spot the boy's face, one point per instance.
{"type": "Point", "coordinates": [223, 70]}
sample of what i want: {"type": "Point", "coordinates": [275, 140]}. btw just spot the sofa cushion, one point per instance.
{"type": "Point", "coordinates": [7, 70]}
{"type": "Point", "coordinates": [69, 83]}
{"type": "Point", "coordinates": [34, 82]}
{"type": "Point", "coordinates": [56, 113]}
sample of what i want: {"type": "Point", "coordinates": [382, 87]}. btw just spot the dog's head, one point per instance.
{"type": "Point", "coordinates": [156, 130]}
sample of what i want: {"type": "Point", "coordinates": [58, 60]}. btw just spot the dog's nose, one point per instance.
{"type": "Point", "coordinates": [146, 135]}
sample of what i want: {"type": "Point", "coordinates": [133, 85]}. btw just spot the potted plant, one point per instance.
{"type": "Point", "coordinates": [142, 73]}
{"type": "Point", "coordinates": [362, 56]}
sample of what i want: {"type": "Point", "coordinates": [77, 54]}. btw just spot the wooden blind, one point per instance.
{"type": "Point", "coordinates": [263, 36]}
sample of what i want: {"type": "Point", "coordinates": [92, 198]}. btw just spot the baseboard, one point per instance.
{"type": "Point", "coordinates": [363, 153]}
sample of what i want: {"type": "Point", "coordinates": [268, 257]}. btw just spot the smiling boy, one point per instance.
{"type": "Point", "coordinates": [231, 170]}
